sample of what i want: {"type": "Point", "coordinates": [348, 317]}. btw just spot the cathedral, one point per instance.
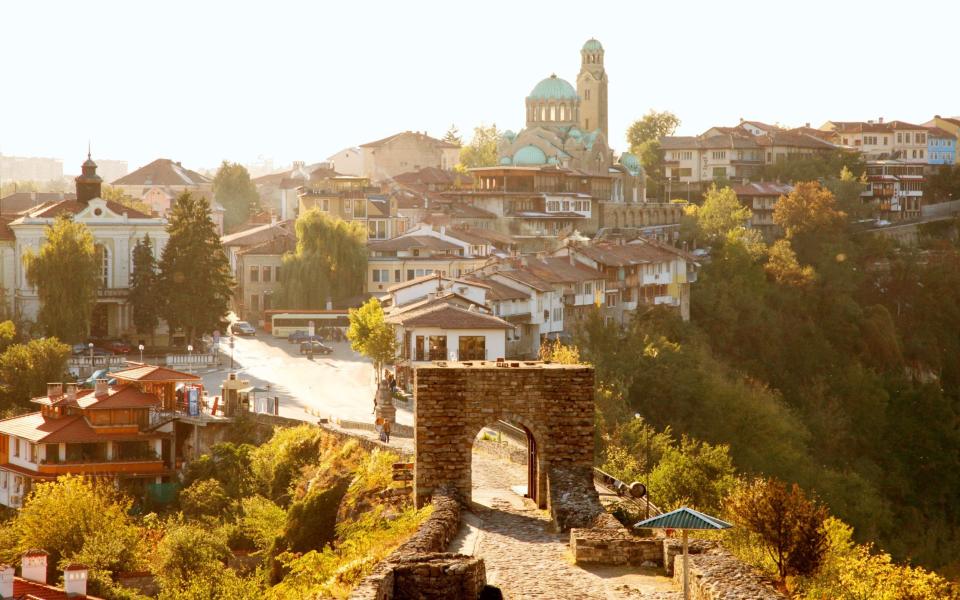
{"type": "Point", "coordinates": [567, 127]}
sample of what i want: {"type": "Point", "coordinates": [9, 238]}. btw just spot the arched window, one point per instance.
{"type": "Point", "coordinates": [103, 260]}
{"type": "Point", "coordinates": [543, 113]}
{"type": "Point", "coordinates": [553, 113]}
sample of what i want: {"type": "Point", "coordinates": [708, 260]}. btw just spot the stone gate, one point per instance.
{"type": "Point", "coordinates": [553, 403]}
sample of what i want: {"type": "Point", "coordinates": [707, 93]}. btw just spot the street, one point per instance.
{"type": "Point", "coordinates": [339, 385]}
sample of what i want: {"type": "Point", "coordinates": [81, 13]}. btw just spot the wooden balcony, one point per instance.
{"type": "Point", "coordinates": [107, 467]}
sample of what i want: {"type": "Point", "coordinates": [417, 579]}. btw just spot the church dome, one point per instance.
{"type": "Point", "coordinates": [506, 161]}
{"type": "Point", "coordinates": [509, 135]}
{"type": "Point", "coordinates": [554, 88]}
{"type": "Point", "coordinates": [529, 155]}
{"type": "Point", "coordinates": [575, 133]}
{"type": "Point", "coordinates": [631, 163]}
{"type": "Point", "coordinates": [592, 45]}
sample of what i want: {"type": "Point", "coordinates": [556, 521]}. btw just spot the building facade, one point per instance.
{"type": "Point", "coordinates": [403, 152]}
{"type": "Point", "coordinates": [353, 199]}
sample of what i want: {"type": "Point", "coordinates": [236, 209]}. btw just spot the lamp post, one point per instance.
{"type": "Point", "coordinates": [190, 352]}
{"type": "Point", "coordinates": [141, 353]}
{"type": "Point", "coordinates": [231, 351]}
{"type": "Point", "coordinates": [90, 345]}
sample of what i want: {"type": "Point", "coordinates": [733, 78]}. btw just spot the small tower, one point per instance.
{"type": "Point", "coordinates": [592, 88]}
{"type": "Point", "coordinates": [88, 183]}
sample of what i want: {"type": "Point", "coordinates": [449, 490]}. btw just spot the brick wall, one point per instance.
{"type": "Point", "coordinates": [554, 402]}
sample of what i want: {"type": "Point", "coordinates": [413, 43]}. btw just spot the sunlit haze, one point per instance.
{"type": "Point", "coordinates": [204, 81]}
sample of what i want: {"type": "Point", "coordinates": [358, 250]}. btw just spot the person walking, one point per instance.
{"type": "Point", "coordinates": [386, 430]}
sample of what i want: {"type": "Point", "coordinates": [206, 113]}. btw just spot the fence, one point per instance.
{"type": "Point", "coordinates": [96, 362]}
{"type": "Point", "coordinates": [204, 359]}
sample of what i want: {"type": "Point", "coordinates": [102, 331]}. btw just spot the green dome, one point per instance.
{"type": "Point", "coordinates": [506, 160]}
{"type": "Point", "coordinates": [592, 45]}
{"type": "Point", "coordinates": [575, 133]}
{"type": "Point", "coordinates": [529, 155]}
{"type": "Point", "coordinates": [509, 135]}
{"type": "Point", "coordinates": [552, 160]}
{"type": "Point", "coordinates": [631, 162]}
{"type": "Point", "coordinates": [554, 88]}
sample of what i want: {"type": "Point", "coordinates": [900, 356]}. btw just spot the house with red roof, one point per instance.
{"type": "Point", "coordinates": [118, 432]}
{"type": "Point", "coordinates": [32, 582]}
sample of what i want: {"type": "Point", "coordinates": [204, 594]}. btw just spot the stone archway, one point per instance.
{"type": "Point", "coordinates": [453, 401]}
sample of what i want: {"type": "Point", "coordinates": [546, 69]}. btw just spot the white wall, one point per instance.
{"type": "Point", "coordinates": [495, 342]}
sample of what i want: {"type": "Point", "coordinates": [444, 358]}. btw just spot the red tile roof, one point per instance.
{"type": "Point", "coordinates": [163, 171]}
{"type": "Point", "coordinates": [500, 291]}
{"type": "Point", "coordinates": [21, 201]}
{"type": "Point", "coordinates": [152, 373]}
{"type": "Point", "coordinates": [408, 242]}
{"type": "Point", "coordinates": [73, 207]}
{"type": "Point", "coordinates": [34, 426]}
{"type": "Point", "coordinates": [447, 316]}
{"type": "Point", "coordinates": [127, 396]}
{"type": "Point", "coordinates": [762, 188]}
{"type": "Point", "coordinates": [933, 132]}
{"type": "Point", "coordinates": [560, 270]}
{"type": "Point", "coordinates": [434, 276]}
{"type": "Point", "coordinates": [39, 591]}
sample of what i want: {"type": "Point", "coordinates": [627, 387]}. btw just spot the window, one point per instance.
{"type": "Point", "coordinates": [885, 140]}
{"type": "Point", "coordinates": [267, 301]}
{"type": "Point", "coordinates": [419, 348]}
{"type": "Point", "coordinates": [360, 209]}
{"type": "Point", "coordinates": [719, 171]}
{"type": "Point", "coordinates": [16, 447]}
{"type": "Point", "coordinates": [34, 453]}
{"type": "Point", "coordinates": [255, 303]}
{"type": "Point", "coordinates": [266, 274]}
{"type": "Point", "coordinates": [381, 276]}
{"type": "Point", "coordinates": [410, 274]}
{"type": "Point", "coordinates": [377, 230]}
{"type": "Point", "coordinates": [921, 154]}
{"type": "Point", "coordinates": [899, 138]}
{"type": "Point", "coordinates": [685, 172]}
{"type": "Point", "coordinates": [558, 314]}
{"type": "Point", "coordinates": [276, 274]}
{"type": "Point", "coordinates": [396, 275]}
{"type": "Point", "coordinates": [586, 94]}
{"type": "Point", "coordinates": [103, 259]}
{"type": "Point", "coordinates": [719, 154]}
{"type": "Point", "coordinates": [587, 288]}
{"type": "Point", "coordinates": [438, 347]}
{"type": "Point", "coordinates": [472, 347]}
{"type": "Point", "coordinates": [254, 274]}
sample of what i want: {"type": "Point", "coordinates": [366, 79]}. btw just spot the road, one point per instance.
{"type": "Point", "coordinates": [340, 385]}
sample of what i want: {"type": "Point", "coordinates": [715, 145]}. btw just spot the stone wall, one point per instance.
{"type": "Point", "coordinates": [420, 569]}
{"type": "Point", "coordinates": [614, 547]}
{"type": "Point", "coordinates": [453, 402]}
{"type": "Point", "coordinates": [717, 575]}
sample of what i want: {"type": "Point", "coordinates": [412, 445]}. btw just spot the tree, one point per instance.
{"type": "Point", "coordinates": [194, 285]}
{"type": "Point", "coordinates": [847, 189]}
{"type": "Point", "coordinates": [204, 498]}
{"type": "Point", "coordinates": [234, 191]}
{"type": "Point", "coordinates": [73, 516]}
{"type": "Point", "coordinates": [788, 525]}
{"type": "Point", "coordinates": [116, 194]}
{"type": "Point", "coordinates": [25, 369]}
{"type": "Point", "coordinates": [453, 136]}
{"type": "Point", "coordinates": [720, 214]}
{"type": "Point", "coordinates": [329, 264]}
{"type": "Point", "coordinates": [482, 149]}
{"type": "Point", "coordinates": [188, 551]}
{"type": "Point", "coordinates": [143, 288]}
{"type": "Point", "coordinates": [371, 336]}
{"type": "Point", "coordinates": [652, 126]}
{"type": "Point", "coordinates": [783, 266]}
{"type": "Point", "coordinates": [650, 154]}
{"type": "Point", "coordinates": [809, 208]}
{"type": "Point", "coordinates": [66, 273]}
{"type": "Point", "coordinates": [693, 473]}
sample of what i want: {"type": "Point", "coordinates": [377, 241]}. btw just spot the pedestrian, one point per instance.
{"type": "Point", "coordinates": [386, 430]}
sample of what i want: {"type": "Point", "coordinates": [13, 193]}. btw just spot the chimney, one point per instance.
{"type": "Point", "coordinates": [33, 566]}
{"type": "Point", "coordinates": [443, 232]}
{"type": "Point", "coordinates": [880, 120]}
{"type": "Point", "coordinates": [100, 387]}
{"type": "Point", "coordinates": [54, 390]}
{"type": "Point", "coordinates": [6, 581]}
{"type": "Point", "coordinates": [75, 580]}
{"type": "Point", "coordinates": [71, 391]}
{"type": "Point", "coordinates": [807, 125]}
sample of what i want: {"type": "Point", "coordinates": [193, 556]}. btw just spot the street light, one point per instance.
{"type": "Point", "coordinates": [190, 351]}
{"type": "Point", "coordinates": [231, 351]}
{"type": "Point", "coordinates": [141, 353]}
{"type": "Point", "coordinates": [90, 345]}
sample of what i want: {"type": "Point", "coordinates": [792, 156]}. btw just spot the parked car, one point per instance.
{"type": "Point", "coordinates": [315, 347]}
{"type": "Point", "coordinates": [115, 346]}
{"type": "Point", "coordinates": [298, 336]}
{"type": "Point", "coordinates": [84, 350]}
{"type": "Point", "coordinates": [242, 328]}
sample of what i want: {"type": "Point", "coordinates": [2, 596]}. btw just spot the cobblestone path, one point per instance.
{"type": "Point", "coordinates": [525, 559]}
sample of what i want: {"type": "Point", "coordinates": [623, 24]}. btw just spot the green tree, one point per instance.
{"type": "Point", "coordinates": [788, 525]}
{"type": "Point", "coordinates": [809, 208]}
{"type": "Point", "coordinates": [453, 136]}
{"type": "Point", "coordinates": [482, 149]}
{"type": "Point", "coordinates": [194, 285]}
{"type": "Point", "coordinates": [188, 551]}
{"type": "Point", "coordinates": [229, 464]}
{"type": "Point", "coordinates": [783, 266]}
{"type": "Point", "coordinates": [66, 274]}
{"type": "Point", "coordinates": [693, 473]}
{"type": "Point", "coordinates": [74, 517]}
{"type": "Point", "coordinates": [116, 194]}
{"type": "Point", "coordinates": [720, 214]}
{"type": "Point", "coordinates": [847, 189]}
{"type": "Point", "coordinates": [204, 498]}
{"type": "Point", "coordinates": [234, 191]}
{"type": "Point", "coordinates": [371, 335]}
{"type": "Point", "coordinates": [650, 154]}
{"type": "Point", "coordinates": [652, 126]}
{"type": "Point", "coordinates": [329, 264]}
{"type": "Point", "coordinates": [25, 369]}
{"type": "Point", "coordinates": [143, 288]}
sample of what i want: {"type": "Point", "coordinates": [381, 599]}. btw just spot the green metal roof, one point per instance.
{"type": "Point", "coordinates": [683, 518]}
{"type": "Point", "coordinates": [591, 45]}
{"type": "Point", "coordinates": [529, 155]}
{"type": "Point", "coordinates": [554, 88]}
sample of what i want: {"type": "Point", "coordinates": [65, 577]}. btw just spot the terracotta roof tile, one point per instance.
{"type": "Point", "coordinates": [446, 316]}
{"type": "Point", "coordinates": [152, 373]}
{"type": "Point", "coordinates": [424, 137]}
{"type": "Point", "coordinates": [559, 270]}
{"type": "Point", "coordinates": [163, 171]}
{"type": "Point", "coordinates": [408, 242]}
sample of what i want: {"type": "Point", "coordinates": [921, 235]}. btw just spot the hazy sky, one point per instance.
{"type": "Point", "coordinates": [203, 81]}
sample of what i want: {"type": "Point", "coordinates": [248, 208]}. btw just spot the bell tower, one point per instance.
{"type": "Point", "coordinates": [592, 88]}
{"type": "Point", "coordinates": [88, 183]}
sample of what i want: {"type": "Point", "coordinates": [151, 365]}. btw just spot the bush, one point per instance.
{"type": "Point", "coordinates": [204, 498]}
{"type": "Point", "coordinates": [188, 551]}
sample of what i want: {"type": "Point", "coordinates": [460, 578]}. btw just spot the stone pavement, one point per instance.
{"type": "Point", "coordinates": [525, 559]}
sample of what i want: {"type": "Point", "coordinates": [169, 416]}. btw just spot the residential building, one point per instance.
{"type": "Point", "coordinates": [30, 168]}
{"type": "Point", "coordinates": [115, 229]}
{"type": "Point", "coordinates": [258, 276]}
{"type": "Point", "coordinates": [895, 188]}
{"type": "Point", "coordinates": [160, 182]}
{"type": "Point", "coordinates": [105, 432]}
{"type": "Point", "coordinates": [532, 305]}
{"type": "Point", "coordinates": [423, 251]}
{"type": "Point", "coordinates": [579, 287]}
{"type": "Point", "coordinates": [641, 272]}
{"type": "Point", "coordinates": [348, 161]}
{"type": "Point", "coordinates": [406, 151]}
{"type": "Point", "coordinates": [18, 202]}
{"type": "Point", "coordinates": [279, 192]}
{"type": "Point", "coordinates": [874, 139]}
{"type": "Point", "coordinates": [761, 198]}
{"type": "Point", "coordinates": [32, 583]}
{"type": "Point", "coordinates": [950, 125]}
{"type": "Point", "coordinates": [353, 199]}
{"type": "Point", "coordinates": [909, 142]}
{"type": "Point", "coordinates": [941, 147]}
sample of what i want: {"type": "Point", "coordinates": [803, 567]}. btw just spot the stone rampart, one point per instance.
{"type": "Point", "coordinates": [614, 547]}
{"type": "Point", "coordinates": [717, 575]}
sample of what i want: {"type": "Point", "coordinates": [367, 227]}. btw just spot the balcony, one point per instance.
{"type": "Point", "coordinates": [107, 466]}
{"type": "Point", "coordinates": [666, 300]}
{"type": "Point", "coordinates": [117, 293]}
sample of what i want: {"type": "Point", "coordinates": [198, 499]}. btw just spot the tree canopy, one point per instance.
{"type": "Point", "coordinates": [195, 284]}
{"type": "Point", "coordinates": [371, 336]}
{"type": "Point", "coordinates": [453, 136]}
{"type": "Point", "coordinates": [329, 264]}
{"type": "Point", "coordinates": [651, 127]}
{"type": "Point", "coordinates": [482, 149]}
{"type": "Point", "coordinates": [143, 296]}
{"type": "Point", "coordinates": [808, 208]}
{"type": "Point", "coordinates": [26, 368]}
{"type": "Point", "coordinates": [234, 191]}
{"type": "Point", "coordinates": [66, 273]}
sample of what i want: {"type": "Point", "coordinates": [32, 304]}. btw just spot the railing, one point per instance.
{"type": "Point", "coordinates": [622, 490]}
{"type": "Point", "coordinates": [198, 359]}
{"type": "Point", "coordinates": [112, 292]}
{"type": "Point", "coordinates": [102, 362]}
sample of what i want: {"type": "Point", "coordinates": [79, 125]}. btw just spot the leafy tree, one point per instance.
{"type": "Point", "coordinates": [194, 285]}
{"type": "Point", "coordinates": [652, 126]}
{"type": "Point", "coordinates": [453, 136]}
{"type": "Point", "coordinates": [371, 336]}
{"type": "Point", "coordinates": [329, 264]}
{"type": "Point", "coordinates": [847, 189]}
{"type": "Point", "coordinates": [263, 521]}
{"type": "Point", "coordinates": [784, 267]}
{"type": "Point", "coordinates": [693, 473]}
{"type": "Point", "coordinates": [720, 214]}
{"type": "Point", "coordinates": [25, 369]}
{"type": "Point", "coordinates": [482, 149]}
{"type": "Point", "coordinates": [144, 288]}
{"type": "Point", "coordinates": [204, 498]}
{"type": "Point", "coordinates": [944, 184]}
{"type": "Point", "coordinates": [558, 352]}
{"type": "Point", "coordinates": [234, 191]}
{"type": "Point", "coordinates": [67, 262]}
{"type": "Point", "coordinates": [214, 584]}
{"type": "Point", "coordinates": [650, 154]}
{"type": "Point", "coordinates": [788, 524]}
{"type": "Point", "coordinates": [186, 552]}
{"type": "Point", "coordinates": [809, 208]}
{"type": "Point", "coordinates": [228, 464]}
{"type": "Point", "coordinates": [8, 334]}
{"type": "Point", "coordinates": [116, 194]}
{"type": "Point", "coordinates": [76, 517]}
{"type": "Point", "coordinates": [822, 166]}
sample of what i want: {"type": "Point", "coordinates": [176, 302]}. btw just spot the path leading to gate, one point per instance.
{"type": "Point", "coordinates": [525, 559]}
